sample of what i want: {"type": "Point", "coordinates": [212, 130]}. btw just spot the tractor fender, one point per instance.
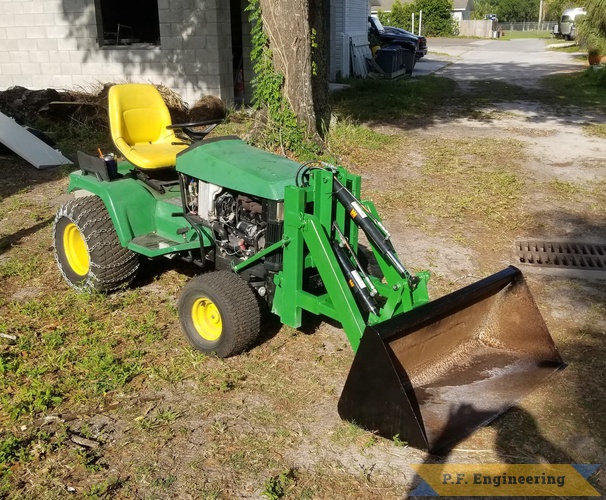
{"type": "Point", "coordinates": [130, 204]}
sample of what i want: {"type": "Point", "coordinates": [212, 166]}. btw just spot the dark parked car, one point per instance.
{"type": "Point", "coordinates": [422, 41]}
{"type": "Point", "coordinates": [378, 34]}
{"type": "Point", "coordinates": [388, 35]}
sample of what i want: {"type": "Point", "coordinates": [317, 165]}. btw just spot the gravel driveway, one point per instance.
{"type": "Point", "coordinates": [521, 61]}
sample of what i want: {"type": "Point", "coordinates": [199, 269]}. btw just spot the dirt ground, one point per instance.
{"type": "Point", "coordinates": [245, 432]}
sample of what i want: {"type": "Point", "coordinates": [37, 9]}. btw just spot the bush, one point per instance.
{"type": "Point", "coordinates": [436, 21]}
{"type": "Point", "coordinates": [597, 75]}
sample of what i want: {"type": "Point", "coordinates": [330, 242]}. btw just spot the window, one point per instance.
{"type": "Point", "coordinates": [127, 22]}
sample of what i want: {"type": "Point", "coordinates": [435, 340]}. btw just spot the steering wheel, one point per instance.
{"type": "Point", "coordinates": [194, 134]}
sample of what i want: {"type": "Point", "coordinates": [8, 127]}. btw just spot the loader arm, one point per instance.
{"type": "Point", "coordinates": [310, 213]}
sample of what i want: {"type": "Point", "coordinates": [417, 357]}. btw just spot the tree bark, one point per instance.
{"type": "Point", "coordinates": [288, 25]}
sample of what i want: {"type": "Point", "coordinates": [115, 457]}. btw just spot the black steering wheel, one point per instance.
{"type": "Point", "coordinates": [194, 134]}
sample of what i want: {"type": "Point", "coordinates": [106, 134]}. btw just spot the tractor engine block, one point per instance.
{"type": "Point", "coordinates": [241, 218]}
{"type": "Point", "coordinates": [243, 224]}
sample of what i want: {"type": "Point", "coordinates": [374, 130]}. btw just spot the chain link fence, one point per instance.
{"type": "Point", "coordinates": [527, 26]}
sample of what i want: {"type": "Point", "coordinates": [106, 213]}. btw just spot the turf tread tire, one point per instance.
{"type": "Point", "coordinates": [237, 304]}
{"type": "Point", "coordinates": [111, 265]}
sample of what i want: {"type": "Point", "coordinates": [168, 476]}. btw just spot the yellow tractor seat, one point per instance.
{"type": "Point", "coordinates": [138, 121]}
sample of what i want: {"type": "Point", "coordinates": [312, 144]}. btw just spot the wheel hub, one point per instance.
{"type": "Point", "coordinates": [207, 319]}
{"type": "Point", "coordinates": [76, 251]}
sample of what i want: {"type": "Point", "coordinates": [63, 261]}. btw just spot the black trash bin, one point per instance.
{"type": "Point", "coordinates": [389, 59]}
{"type": "Point", "coordinates": [395, 58]}
{"type": "Point", "coordinates": [409, 60]}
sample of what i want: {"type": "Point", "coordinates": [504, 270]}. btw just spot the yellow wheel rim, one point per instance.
{"type": "Point", "coordinates": [207, 319]}
{"type": "Point", "coordinates": [76, 251]}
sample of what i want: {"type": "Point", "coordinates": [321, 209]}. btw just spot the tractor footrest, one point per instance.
{"type": "Point", "coordinates": [152, 241]}
{"type": "Point", "coordinates": [174, 201]}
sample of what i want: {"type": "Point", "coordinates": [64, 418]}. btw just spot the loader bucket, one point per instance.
{"type": "Point", "coordinates": [434, 375]}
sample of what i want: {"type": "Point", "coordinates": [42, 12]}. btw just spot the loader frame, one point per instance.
{"type": "Point", "coordinates": [309, 215]}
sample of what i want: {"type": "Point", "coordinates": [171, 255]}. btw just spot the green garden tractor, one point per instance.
{"type": "Point", "coordinates": [269, 233]}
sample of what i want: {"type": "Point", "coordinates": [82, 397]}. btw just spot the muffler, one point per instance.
{"type": "Point", "coordinates": [437, 373]}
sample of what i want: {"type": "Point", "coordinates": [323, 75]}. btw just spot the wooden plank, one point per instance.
{"type": "Point", "coordinates": [28, 146]}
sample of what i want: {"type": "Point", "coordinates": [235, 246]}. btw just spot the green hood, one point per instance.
{"type": "Point", "coordinates": [231, 163]}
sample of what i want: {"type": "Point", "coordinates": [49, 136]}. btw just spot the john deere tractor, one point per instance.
{"type": "Point", "coordinates": [265, 230]}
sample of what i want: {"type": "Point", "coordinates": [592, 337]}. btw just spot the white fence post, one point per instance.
{"type": "Point", "coordinates": [420, 19]}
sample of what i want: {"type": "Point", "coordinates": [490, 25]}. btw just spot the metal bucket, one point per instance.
{"type": "Point", "coordinates": [434, 375]}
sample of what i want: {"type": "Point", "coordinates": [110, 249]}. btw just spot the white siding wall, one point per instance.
{"type": "Point", "coordinates": [348, 24]}
{"type": "Point", "coordinates": [337, 28]}
{"type": "Point", "coordinates": [356, 27]}
{"type": "Point", "coordinates": [53, 43]}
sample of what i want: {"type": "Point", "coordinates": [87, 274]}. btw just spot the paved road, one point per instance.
{"type": "Point", "coordinates": [523, 61]}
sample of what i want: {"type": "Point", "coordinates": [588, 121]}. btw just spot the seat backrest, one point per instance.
{"type": "Point", "coordinates": [137, 114]}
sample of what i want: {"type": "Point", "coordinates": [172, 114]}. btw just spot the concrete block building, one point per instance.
{"type": "Point", "coordinates": [195, 47]}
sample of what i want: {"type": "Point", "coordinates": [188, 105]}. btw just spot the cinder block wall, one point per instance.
{"type": "Point", "coordinates": [53, 43]}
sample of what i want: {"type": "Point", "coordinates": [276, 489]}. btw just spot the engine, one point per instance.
{"type": "Point", "coordinates": [242, 224]}
{"type": "Point", "coordinates": [242, 228]}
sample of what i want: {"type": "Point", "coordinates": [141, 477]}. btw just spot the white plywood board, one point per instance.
{"type": "Point", "coordinates": [28, 146]}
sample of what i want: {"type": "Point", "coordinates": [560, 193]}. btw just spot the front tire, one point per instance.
{"type": "Point", "coordinates": [219, 313]}
{"type": "Point", "coordinates": [87, 250]}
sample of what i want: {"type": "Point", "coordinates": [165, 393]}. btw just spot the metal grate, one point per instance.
{"type": "Point", "coordinates": [570, 255]}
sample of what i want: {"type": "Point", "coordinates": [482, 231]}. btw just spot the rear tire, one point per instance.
{"type": "Point", "coordinates": [87, 250]}
{"type": "Point", "coordinates": [219, 313]}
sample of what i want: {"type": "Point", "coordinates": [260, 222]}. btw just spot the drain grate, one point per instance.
{"type": "Point", "coordinates": [570, 255]}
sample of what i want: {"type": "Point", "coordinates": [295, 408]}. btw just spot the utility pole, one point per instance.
{"type": "Point", "coordinates": [540, 14]}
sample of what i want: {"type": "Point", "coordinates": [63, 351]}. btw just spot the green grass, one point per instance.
{"type": "Point", "coordinates": [51, 362]}
{"type": "Point", "coordinates": [595, 130]}
{"type": "Point", "coordinates": [570, 50]}
{"type": "Point", "coordinates": [582, 89]}
{"type": "Point", "coordinates": [580, 195]}
{"type": "Point", "coordinates": [358, 142]}
{"type": "Point", "coordinates": [381, 100]}
{"type": "Point", "coordinates": [469, 181]}
{"type": "Point", "coordinates": [515, 34]}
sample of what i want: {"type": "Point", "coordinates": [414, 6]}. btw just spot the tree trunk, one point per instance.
{"type": "Point", "coordinates": [288, 25]}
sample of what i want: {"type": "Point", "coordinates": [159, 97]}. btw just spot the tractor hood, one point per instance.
{"type": "Point", "coordinates": [232, 163]}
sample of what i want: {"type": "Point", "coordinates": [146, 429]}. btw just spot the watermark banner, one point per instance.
{"type": "Point", "coordinates": [505, 480]}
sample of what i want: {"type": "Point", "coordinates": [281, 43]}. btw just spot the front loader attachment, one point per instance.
{"type": "Point", "coordinates": [435, 374]}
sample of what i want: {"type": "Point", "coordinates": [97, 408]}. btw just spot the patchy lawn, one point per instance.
{"type": "Point", "coordinates": [103, 398]}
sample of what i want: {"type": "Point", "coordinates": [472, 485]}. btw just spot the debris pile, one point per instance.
{"type": "Point", "coordinates": [28, 107]}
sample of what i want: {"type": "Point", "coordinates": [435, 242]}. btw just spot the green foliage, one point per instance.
{"type": "Point", "coordinates": [12, 450]}
{"type": "Point", "coordinates": [483, 7]}
{"type": "Point", "coordinates": [31, 399]}
{"type": "Point", "coordinates": [591, 29]}
{"type": "Point", "coordinates": [514, 11]}
{"type": "Point", "coordinates": [597, 79]}
{"type": "Point", "coordinates": [400, 15]}
{"type": "Point", "coordinates": [552, 9]}
{"type": "Point", "coordinates": [437, 19]}
{"type": "Point", "coordinates": [399, 442]}
{"type": "Point", "coordinates": [276, 487]}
